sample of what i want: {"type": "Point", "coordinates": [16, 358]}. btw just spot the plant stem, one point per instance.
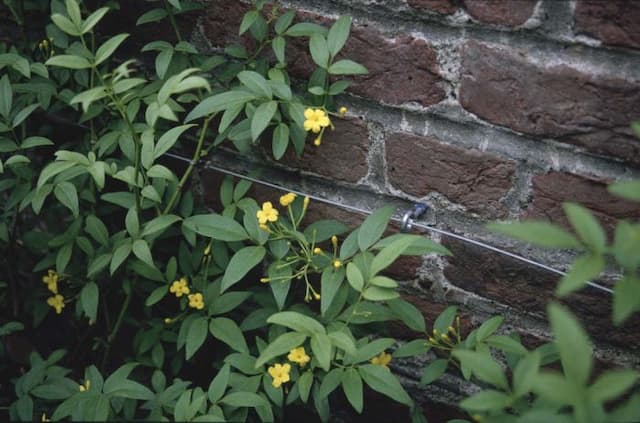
{"type": "Point", "coordinates": [116, 328]}
{"type": "Point", "coordinates": [172, 19]}
{"type": "Point", "coordinates": [192, 165]}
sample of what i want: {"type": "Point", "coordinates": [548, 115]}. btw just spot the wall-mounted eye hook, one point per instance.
{"type": "Point", "coordinates": [416, 212]}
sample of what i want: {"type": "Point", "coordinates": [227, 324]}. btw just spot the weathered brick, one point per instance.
{"type": "Point", "coordinates": [445, 7]}
{"type": "Point", "coordinates": [500, 12]}
{"type": "Point", "coordinates": [552, 189]}
{"type": "Point", "coordinates": [530, 289]}
{"type": "Point", "coordinates": [614, 22]}
{"type": "Point", "coordinates": [342, 155]}
{"type": "Point", "coordinates": [593, 112]}
{"type": "Point", "coordinates": [222, 20]}
{"type": "Point", "coordinates": [420, 165]}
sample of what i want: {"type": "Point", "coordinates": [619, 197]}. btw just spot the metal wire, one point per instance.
{"type": "Point", "coordinates": [395, 219]}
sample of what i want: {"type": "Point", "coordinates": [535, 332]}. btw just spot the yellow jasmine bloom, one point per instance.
{"type": "Point", "coordinates": [264, 280]}
{"type": "Point", "coordinates": [298, 355]}
{"type": "Point", "coordinates": [334, 241]}
{"type": "Point", "coordinates": [317, 141]}
{"type": "Point", "coordinates": [279, 373]}
{"type": "Point", "coordinates": [85, 387]}
{"type": "Point", "coordinates": [317, 250]}
{"type": "Point", "coordinates": [168, 320]}
{"type": "Point", "coordinates": [342, 110]}
{"type": "Point", "coordinates": [267, 214]}
{"type": "Point", "coordinates": [337, 263]}
{"type": "Point", "coordinates": [57, 302]}
{"type": "Point", "coordinates": [196, 301]}
{"type": "Point", "coordinates": [382, 360]}
{"type": "Point", "coordinates": [315, 120]}
{"type": "Point", "coordinates": [316, 296]}
{"type": "Point", "coordinates": [44, 418]}
{"type": "Point", "coordinates": [51, 279]}
{"type": "Point", "coordinates": [287, 199]}
{"type": "Point", "coordinates": [180, 288]}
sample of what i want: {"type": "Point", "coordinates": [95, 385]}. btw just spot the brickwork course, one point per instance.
{"type": "Point", "coordinates": [486, 110]}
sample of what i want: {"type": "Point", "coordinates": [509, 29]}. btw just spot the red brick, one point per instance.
{"type": "Point", "coordinates": [421, 165]}
{"type": "Point", "coordinates": [445, 7]}
{"type": "Point", "coordinates": [552, 189]}
{"type": "Point", "coordinates": [501, 12]}
{"type": "Point", "coordinates": [342, 155]}
{"type": "Point", "coordinates": [592, 112]}
{"type": "Point", "coordinates": [614, 22]}
{"type": "Point", "coordinates": [222, 20]}
{"type": "Point", "coordinates": [530, 289]}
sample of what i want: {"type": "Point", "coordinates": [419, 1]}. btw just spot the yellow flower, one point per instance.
{"type": "Point", "coordinates": [381, 360]}
{"type": "Point", "coordinates": [334, 241]}
{"type": "Point", "coordinates": [168, 320]}
{"type": "Point", "coordinates": [196, 301]}
{"type": "Point", "coordinates": [51, 279]}
{"type": "Point", "coordinates": [86, 386]}
{"type": "Point", "coordinates": [298, 355]}
{"type": "Point", "coordinates": [337, 263]}
{"type": "Point", "coordinates": [287, 199]}
{"type": "Point", "coordinates": [264, 227]}
{"type": "Point", "coordinates": [264, 280]}
{"type": "Point", "coordinates": [44, 418]}
{"type": "Point", "coordinates": [207, 250]}
{"type": "Point", "coordinates": [267, 214]}
{"type": "Point", "coordinates": [342, 110]}
{"type": "Point", "coordinates": [317, 141]}
{"type": "Point", "coordinates": [305, 204]}
{"type": "Point", "coordinates": [180, 287]}
{"type": "Point", "coordinates": [317, 250]}
{"type": "Point", "coordinates": [316, 296]}
{"type": "Point", "coordinates": [57, 302]}
{"type": "Point", "coordinates": [279, 373]}
{"type": "Point", "coordinates": [316, 119]}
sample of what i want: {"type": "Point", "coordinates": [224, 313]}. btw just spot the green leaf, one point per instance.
{"type": "Point", "coordinates": [152, 15]}
{"type": "Point", "coordinates": [488, 400]}
{"type": "Point", "coordinates": [347, 67]}
{"type": "Point", "coordinates": [408, 313]}
{"type": "Point", "coordinates": [66, 193]}
{"type": "Point", "coordinates": [23, 114]}
{"type": "Point", "coordinates": [412, 348]}
{"type": "Point", "coordinates": [330, 282]}
{"type": "Point", "coordinates": [168, 139]}
{"type": "Point", "coordinates": [219, 102]}
{"type": "Point", "coordinates": [343, 341]}
{"type": "Point", "coordinates": [280, 140]}
{"type": "Point", "coordinates": [629, 190]}
{"type": "Point", "coordinates": [6, 97]}
{"type": "Point", "coordinates": [131, 222]}
{"type": "Point", "coordinates": [321, 347]}
{"type": "Point", "coordinates": [434, 370]}
{"type": "Point", "coordinates": [89, 299]}
{"type": "Point", "coordinates": [573, 344]}
{"type": "Point", "coordinates": [305, 29]}
{"type": "Point", "coordinates": [372, 349]}
{"type": "Point", "coordinates": [489, 327]}
{"type": "Point", "coordinates": [244, 399]}
{"type": "Point", "coordinates": [51, 170]}
{"type": "Point", "coordinates": [338, 35]}
{"type": "Point", "coordinates": [228, 332]}
{"type": "Point", "coordinates": [156, 295]}
{"type": "Point", "coordinates": [298, 322]}
{"type": "Point", "coordinates": [219, 384]}
{"type": "Point", "coordinates": [352, 387]}
{"type": "Point", "coordinates": [319, 50]}
{"type": "Point", "coordinates": [583, 270]}
{"type": "Point", "coordinates": [217, 227]}
{"type": "Point", "coordinates": [97, 229]}
{"type": "Point", "coordinates": [304, 385]}
{"type": "Point", "coordinates": [142, 251]}
{"type": "Point", "coordinates": [66, 25]}
{"type": "Point", "coordinates": [382, 380]}
{"type": "Point", "coordinates": [555, 388]}
{"type": "Point", "coordinates": [506, 344]}
{"type": "Point", "coordinates": [262, 117]}
{"type": "Point", "coordinates": [278, 45]}
{"type": "Point", "coordinates": [256, 83]}
{"type": "Point", "coordinates": [330, 382]}
{"type": "Point", "coordinates": [196, 336]}
{"type": "Point", "coordinates": [445, 319]}
{"type": "Point", "coordinates": [626, 298]}
{"type": "Point", "coordinates": [281, 345]}
{"type": "Point", "coordinates": [373, 227]}
{"type": "Point", "coordinates": [586, 226]}
{"type": "Point", "coordinates": [525, 373]}
{"type": "Point", "coordinates": [63, 257]}
{"type": "Point", "coordinates": [159, 223]}
{"type": "Point", "coordinates": [247, 20]}
{"type": "Point", "coordinates": [537, 233]}
{"type": "Point", "coordinates": [106, 50]}
{"type": "Point", "coordinates": [68, 61]}
{"type": "Point", "coordinates": [483, 366]}
{"type": "Point", "coordinates": [390, 253]}
{"type": "Point", "coordinates": [374, 293]}
{"type": "Point", "coordinates": [32, 142]}
{"type": "Point", "coordinates": [284, 21]}
{"type": "Point", "coordinates": [240, 264]}
{"type": "Point", "coordinates": [93, 19]}
{"type": "Point", "coordinates": [355, 278]}
{"type": "Point", "coordinates": [119, 255]}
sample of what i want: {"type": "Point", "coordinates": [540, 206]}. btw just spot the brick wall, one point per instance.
{"type": "Point", "coordinates": [487, 110]}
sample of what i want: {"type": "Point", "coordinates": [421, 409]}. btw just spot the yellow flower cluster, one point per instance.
{"type": "Point", "coordinates": [51, 279]}
{"type": "Point", "coordinates": [382, 360]}
{"type": "Point", "coordinates": [179, 287]}
{"type": "Point", "coordinates": [287, 199]}
{"type": "Point", "coordinates": [196, 301]}
{"type": "Point", "coordinates": [57, 302]}
{"type": "Point", "coordinates": [298, 355]}
{"type": "Point", "coordinates": [315, 120]}
{"type": "Point", "coordinates": [280, 374]}
{"type": "Point", "coordinates": [85, 387]}
{"type": "Point", "coordinates": [267, 214]}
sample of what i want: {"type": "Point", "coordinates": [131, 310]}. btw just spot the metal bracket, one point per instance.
{"type": "Point", "coordinates": [416, 212]}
